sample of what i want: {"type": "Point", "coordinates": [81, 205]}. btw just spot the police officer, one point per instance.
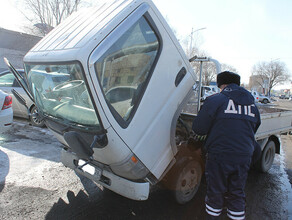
{"type": "Point", "coordinates": [229, 119]}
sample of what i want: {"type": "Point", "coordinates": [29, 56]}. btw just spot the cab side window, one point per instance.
{"type": "Point", "coordinates": [125, 68]}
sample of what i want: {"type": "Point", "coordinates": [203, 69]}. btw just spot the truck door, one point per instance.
{"type": "Point", "coordinates": [143, 77]}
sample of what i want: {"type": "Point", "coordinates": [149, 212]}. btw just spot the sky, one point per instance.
{"type": "Point", "coordinates": [236, 32]}
{"type": "Point", "coordinates": [239, 33]}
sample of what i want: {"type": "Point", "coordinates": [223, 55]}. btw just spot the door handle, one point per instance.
{"type": "Point", "coordinates": [179, 77]}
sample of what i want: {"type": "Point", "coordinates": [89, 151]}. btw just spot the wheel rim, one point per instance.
{"type": "Point", "coordinates": [188, 181]}
{"type": "Point", "coordinates": [36, 119]}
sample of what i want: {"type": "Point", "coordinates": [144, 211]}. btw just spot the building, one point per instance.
{"type": "Point", "coordinates": [14, 45]}
{"type": "Point", "coordinates": [257, 83]}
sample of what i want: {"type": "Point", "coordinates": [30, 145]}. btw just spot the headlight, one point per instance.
{"type": "Point", "coordinates": [130, 168]}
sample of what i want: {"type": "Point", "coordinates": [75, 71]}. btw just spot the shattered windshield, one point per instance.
{"type": "Point", "coordinates": [60, 93]}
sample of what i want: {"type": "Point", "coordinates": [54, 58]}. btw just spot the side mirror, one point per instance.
{"type": "Point", "coordinates": [77, 144]}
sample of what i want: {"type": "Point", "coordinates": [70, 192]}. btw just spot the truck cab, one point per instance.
{"type": "Point", "coordinates": [110, 83]}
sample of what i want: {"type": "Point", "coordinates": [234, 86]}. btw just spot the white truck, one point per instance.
{"type": "Point", "coordinates": [117, 104]}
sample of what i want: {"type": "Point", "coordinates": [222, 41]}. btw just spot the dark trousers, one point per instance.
{"type": "Point", "coordinates": [225, 187]}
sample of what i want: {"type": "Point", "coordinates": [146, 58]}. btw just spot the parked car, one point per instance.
{"type": "Point", "coordinates": [260, 97]}
{"type": "Point", "coordinates": [255, 95]}
{"type": "Point", "coordinates": [264, 99]}
{"type": "Point", "coordinates": [209, 90]}
{"type": "Point", "coordinates": [206, 91]}
{"type": "Point", "coordinates": [284, 97]}
{"type": "Point", "coordinates": [6, 113]}
{"type": "Point", "coordinates": [7, 83]}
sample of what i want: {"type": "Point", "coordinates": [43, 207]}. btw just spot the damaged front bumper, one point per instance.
{"type": "Point", "coordinates": [124, 187]}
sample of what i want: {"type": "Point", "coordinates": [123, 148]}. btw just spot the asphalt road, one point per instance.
{"type": "Point", "coordinates": [35, 185]}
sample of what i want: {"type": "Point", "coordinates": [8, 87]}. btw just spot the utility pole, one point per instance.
{"type": "Point", "coordinates": [191, 35]}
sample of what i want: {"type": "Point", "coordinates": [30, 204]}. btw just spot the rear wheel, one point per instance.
{"type": "Point", "coordinates": [267, 157]}
{"type": "Point", "coordinates": [35, 118]}
{"type": "Point", "coordinates": [265, 101]}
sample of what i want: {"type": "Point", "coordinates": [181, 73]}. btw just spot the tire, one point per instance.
{"type": "Point", "coordinates": [35, 119]}
{"type": "Point", "coordinates": [267, 157]}
{"type": "Point", "coordinates": [187, 180]}
{"type": "Point", "coordinates": [265, 101]}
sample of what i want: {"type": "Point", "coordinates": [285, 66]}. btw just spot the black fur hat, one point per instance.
{"type": "Point", "coordinates": [227, 77]}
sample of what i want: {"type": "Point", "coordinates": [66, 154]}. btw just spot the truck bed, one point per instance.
{"type": "Point", "coordinates": [274, 121]}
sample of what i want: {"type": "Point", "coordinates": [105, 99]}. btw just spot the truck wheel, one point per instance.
{"type": "Point", "coordinates": [187, 181]}
{"type": "Point", "coordinates": [35, 119]}
{"type": "Point", "coordinates": [267, 158]}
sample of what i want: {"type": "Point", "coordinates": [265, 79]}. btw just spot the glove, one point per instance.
{"type": "Point", "coordinates": [195, 141]}
{"type": "Point", "coordinates": [197, 137]}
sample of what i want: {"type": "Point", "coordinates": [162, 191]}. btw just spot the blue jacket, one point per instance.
{"type": "Point", "coordinates": [229, 119]}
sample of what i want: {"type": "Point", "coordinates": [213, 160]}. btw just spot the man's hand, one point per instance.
{"type": "Point", "coordinates": [196, 141]}
{"type": "Point", "coordinates": [197, 137]}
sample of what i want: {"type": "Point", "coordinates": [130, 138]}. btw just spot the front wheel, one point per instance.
{"type": "Point", "coordinates": [35, 118]}
{"type": "Point", "coordinates": [267, 157]}
{"type": "Point", "coordinates": [188, 181]}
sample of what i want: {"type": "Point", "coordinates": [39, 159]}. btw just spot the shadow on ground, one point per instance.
{"type": "Point", "coordinates": [266, 199]}
{"type": "Point", "coordinates": [108, 205]}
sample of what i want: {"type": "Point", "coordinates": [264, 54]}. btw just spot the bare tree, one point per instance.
{"type": "Point", "coordinates": [209, 71]}
{"type": "Point", "coordinates": [270, 74]}
{"type": "Point", "coordinates": [208, 68]}
{"type": "Point", "coordinates": [227, 67]}
{"type": "Point", "coordinates": [192, 48]}
{"type": "Point", "coordinates": [46, 14]}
